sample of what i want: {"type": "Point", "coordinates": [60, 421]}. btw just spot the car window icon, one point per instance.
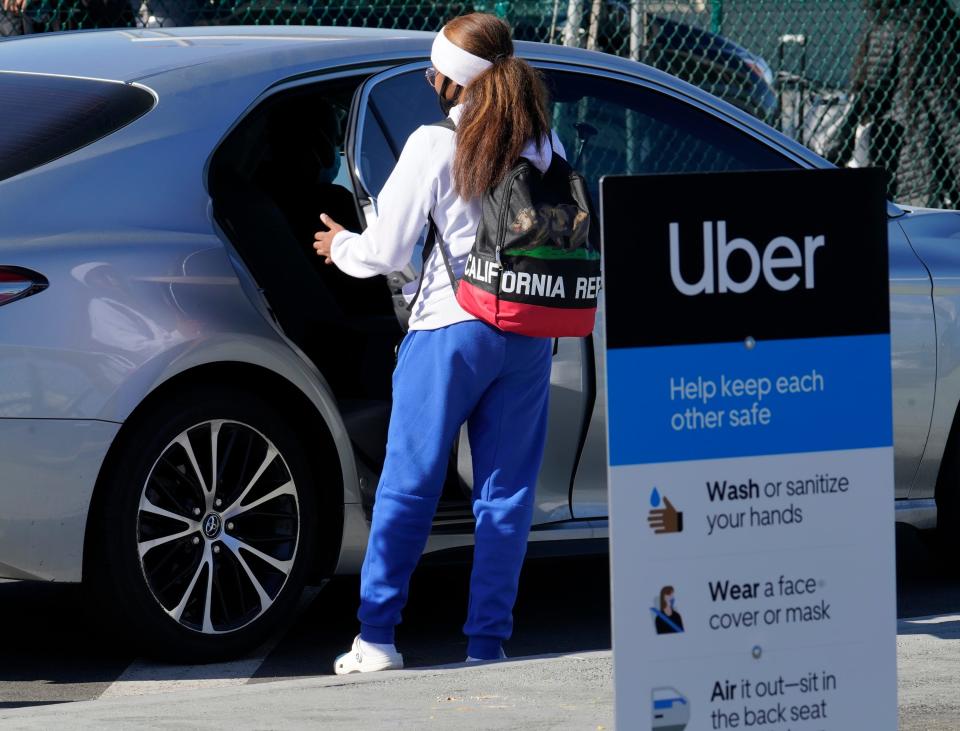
{"type": "Point", "coordinates": [671, 710]}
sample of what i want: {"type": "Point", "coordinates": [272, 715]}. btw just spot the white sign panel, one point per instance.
{"type": "Point", "coordinates": [750, 451]}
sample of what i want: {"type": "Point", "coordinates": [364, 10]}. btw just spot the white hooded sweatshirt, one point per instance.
{"type": "Point", "coordinates": [421, 184]}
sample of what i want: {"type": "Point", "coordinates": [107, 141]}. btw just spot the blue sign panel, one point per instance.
{"type": "Point", "coordinates": [730, 400]}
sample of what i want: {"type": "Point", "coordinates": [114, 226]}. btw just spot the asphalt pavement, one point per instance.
{"type": "Point", "coordinates": [50, 656]}
{"type": "Point", "coordinates": [52, 653]}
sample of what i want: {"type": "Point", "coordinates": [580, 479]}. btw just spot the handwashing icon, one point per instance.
{"type": "Point", "coordinates": [666, 519]}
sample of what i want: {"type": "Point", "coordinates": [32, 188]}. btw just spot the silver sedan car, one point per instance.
{"type": "Point", "coordinates": [193, 408]}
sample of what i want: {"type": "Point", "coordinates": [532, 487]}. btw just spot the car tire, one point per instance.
{"type": "Point", "coordinates": [193, 568]}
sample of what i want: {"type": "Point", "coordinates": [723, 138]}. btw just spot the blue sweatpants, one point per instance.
{"type": "Point", "coordinates": [499, 384]}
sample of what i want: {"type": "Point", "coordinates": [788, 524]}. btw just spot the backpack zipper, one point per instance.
{"type": "Point", "coordinates": [504, 210]}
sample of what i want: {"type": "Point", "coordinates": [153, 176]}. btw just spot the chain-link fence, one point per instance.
{"type": "Point", "coordinates": [863, 82]}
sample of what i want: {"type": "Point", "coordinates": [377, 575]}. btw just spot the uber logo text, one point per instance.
{"type": "Point", "coordinates": [781, 253]}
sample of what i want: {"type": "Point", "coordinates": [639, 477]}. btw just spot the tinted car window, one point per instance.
{"type": "Point", "coordinates": [612, 127]}
{"type": "Point", "coordinates": [395, 108]}
{"type": "Point", "coordinates": [45, 117]}
{"type": "Point", "coordinates": [607, 127]}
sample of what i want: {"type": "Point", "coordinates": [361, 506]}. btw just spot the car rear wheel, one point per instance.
{"type": "Point", "coordinates": [205, 529]}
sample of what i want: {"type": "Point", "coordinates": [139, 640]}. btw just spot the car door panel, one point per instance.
{"type": "Point", "coordinates": [934, 236]}
{"type": "Point", "coordinates": [387, 109]}
{"type": "Point", "coordinates": [913, 358]}
{"type": "Point", "coordinates": [613, 125]}
{"type": "Point", "coordinates": [661, 134]}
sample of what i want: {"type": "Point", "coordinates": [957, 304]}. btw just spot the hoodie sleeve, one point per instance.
{"type": "Point", "coordinates": [402, 210]}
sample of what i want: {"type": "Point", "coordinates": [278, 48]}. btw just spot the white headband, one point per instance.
{"type": "Point", "coordinates": [454, 62]}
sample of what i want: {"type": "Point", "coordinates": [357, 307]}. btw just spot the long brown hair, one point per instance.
{"type": "Point", "coordinates": [504, 107]}
{"type": "Point", "coordinates": [664, 593]}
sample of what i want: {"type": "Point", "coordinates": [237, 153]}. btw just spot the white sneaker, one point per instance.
{"type": "Point", "coordinates": [503, 656]}
{"type": "Point", "coordinates": [368, 657]}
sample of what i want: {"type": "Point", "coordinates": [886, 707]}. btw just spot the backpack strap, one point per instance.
{"type": "Point", "coordinates": [433, 235]}
{"type": "Point", "coordinates": [428, 244]}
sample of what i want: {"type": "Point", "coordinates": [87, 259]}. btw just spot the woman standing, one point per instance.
{"type": "Point", "coordinates": [452, 368]}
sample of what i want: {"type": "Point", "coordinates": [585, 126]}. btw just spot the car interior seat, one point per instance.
{"type": "Point", "coordinates": [303, 135]}
{"type": "Point", "coordinates": [270, 181]}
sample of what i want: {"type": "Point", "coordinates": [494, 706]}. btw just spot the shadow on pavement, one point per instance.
{"type": "Point", "coordinates": [50, 652]}
{"type": "Point", "coordinates": [563, 606]}
{"type": "Point", "coordinates": [927, 584]}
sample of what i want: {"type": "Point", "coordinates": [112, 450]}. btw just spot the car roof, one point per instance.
{"type": "Point", "coordinates": [195, 63]}
{"type": "Point", "coordinates": [135, 54]}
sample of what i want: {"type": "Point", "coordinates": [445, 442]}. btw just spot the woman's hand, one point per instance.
{"type": "Point", "coordinates": [324, 239]}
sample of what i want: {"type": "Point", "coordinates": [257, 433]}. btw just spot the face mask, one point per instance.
{"type": "Point", "coordinates": [447, 104]}
{"type": "Point", "coordinates": [672, 601]}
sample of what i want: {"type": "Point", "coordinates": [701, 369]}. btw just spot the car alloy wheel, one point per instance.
{"type": "Point", "coordinates": [218, 526]}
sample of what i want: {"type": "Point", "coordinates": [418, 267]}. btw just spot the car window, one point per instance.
{"type": "Point", "coordinates": [343, 175]}
{"type": "Point", "coordinates": [45, 117]}
{"type": "Point", "coordinates": [607, 127]}
{"type": "Point", "coordinates": [613, 127]}
{"type": "Point", "coordinates": [395, 107]}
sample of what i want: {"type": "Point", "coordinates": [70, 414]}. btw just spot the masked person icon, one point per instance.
{"type": "Point", "coordinates": [667, 619]}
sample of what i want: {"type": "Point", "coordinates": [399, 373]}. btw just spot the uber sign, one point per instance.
{"type": "Point", "coordinates": [750, 450]}
{"type": "Point", "coordinates": [773, 260]}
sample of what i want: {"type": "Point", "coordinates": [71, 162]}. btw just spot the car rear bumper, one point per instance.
{"type": "Point", "coordinates": [48, 468]}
